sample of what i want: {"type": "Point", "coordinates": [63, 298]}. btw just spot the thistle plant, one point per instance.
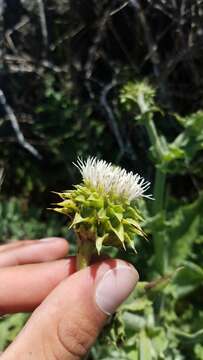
{"type": "Point", "coordinates": [102, 210]}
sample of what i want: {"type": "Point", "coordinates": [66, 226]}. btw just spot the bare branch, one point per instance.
{"type": "Point", "coordinates": [92, 55]}
{"type": "Point", "coordinates": [1, 27]}
{"type": "Point", "coordinates": [43, 22]}
{"type": "Point", "coordinates": [25, 20]}
{"type": "Point", "coordinates": [152, 46]}
{"type": "Point", "coordinates": [110, 116]}
{"type": "Point", "coordinates": [119, 8]}
{"type": "Point", "coordinates": [122, 45]}
{"type": "Point", "coordinates": [14, 122]}
{"type": "Point", "coordinates": [1, 177]}
{"type": "Point", "coordinates": [68, 36]}
{"type": "Point", "coordinates": [24, 64]}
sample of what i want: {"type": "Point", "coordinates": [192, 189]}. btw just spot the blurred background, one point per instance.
{"type": "Point", "coordinates": [123, 81]}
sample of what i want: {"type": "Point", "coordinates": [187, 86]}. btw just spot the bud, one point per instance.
{"type": "Point", "coordinates": [102, 209]}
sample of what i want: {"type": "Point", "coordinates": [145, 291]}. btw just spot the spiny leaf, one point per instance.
{"type": "Point", "coordinates": [99, 242]}
{"type": "Point", "coordinates": [64, 211]}
{"type": "Point", "coordinates": [136, 227]}
{"type": "Point", "coordinates": [119, 231]}
{"type": "Point", "coordinates": [102, 215]}
{"type": "Point", "coordinates": [63, 195]}
{"type": "Point", "coordinates": [79, 219]}
{"type": "Point", "coordinates": [130, 242]}
{"type": "Point", "coordinates": [117, 208]}
{"type": "Point", "coordinates": [118, 215]}
{"type": "Point", "coordinates": [68, 204]}
{"type": "Point", "coordinates": [80, 198]}
{"type": "Point", "coordinates": [96, 201]}
{"type": "Point", "coordinates": [133, 213]}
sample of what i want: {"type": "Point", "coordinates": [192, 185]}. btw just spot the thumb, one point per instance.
{"type": "Point", "coordinates": [67, 323]}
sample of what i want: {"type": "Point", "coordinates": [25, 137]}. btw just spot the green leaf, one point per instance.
{"type": "Point", "coordinates": [68, 204]}
{"type": "Point", "coordinates": [189, 338]}
{"type": "Point", "coordinates": [191, 139]}
{"type": "Point", "coordinates": [159, 341]}
{"type": "Point", "coordinates": [101, 214]}
{"type": "Point", "coordinates": [115, 211]}
{"type": "Point", "coordinates": [99, 242]}
{"type": "Point", "coordinates": [80, 198]}
{"type": "Point", "coordinates": [145, 347]}
{"type": "Point", "coordinates": [95, 201]}
{"type": "Point", "coordinates": [137, 228]}
{"type": "Point", "coordinates": [10, 326]}
{"type": "Point", "coordinates": [198, 350]}
{"type": "Point", "coordinates": [119, 216]}
{"type": "Point", "coordinates": [119, 231]}
{"type": "Point", "coordinates": [130, 242]}
{"type": "Point", "coordinates": [173, 153]}
{"type": "Point", "coordinates": [137, 305]}
{"type": "Point", "coordinates": [132, 212]}
{"type": "Point", "coordinates": [183, 229]}
{"type": "Point", "coordinates": [189, 278]}
{"type": "Point", "coordinates": [132, 354]}
{"type": "Point", "coordinates": [65, 211]}
{"type": "Point", "coordinates": [140, 95]}
{"type": "Point", "coordinates": [79, 219]}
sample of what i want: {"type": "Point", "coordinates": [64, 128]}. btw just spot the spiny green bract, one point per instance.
{"type": "Point", "coordinates": [102, 218]}
{"type": "Point", "coordinates": [140, 93]}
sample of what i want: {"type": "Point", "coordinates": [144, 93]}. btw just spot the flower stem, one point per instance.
{"type": "Point", "coordinates": [159, 189]}
{"type": "Point", "coordinates": [160, 258]}
{"type": "Point", "coordinates": [84, 253]}
{"type": "Point", "coordinates": [153, 136]}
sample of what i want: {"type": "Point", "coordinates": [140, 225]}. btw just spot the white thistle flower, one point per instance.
{"type": "Point", "coordinates": [112, 179]}
{"type": "Point", "coordinates": [101, 209]}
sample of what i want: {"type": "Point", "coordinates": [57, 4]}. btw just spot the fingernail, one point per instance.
{"type": "Point", "coordinates": [115, 286]}
{"type": "Point", "coordinates": [50, 239]}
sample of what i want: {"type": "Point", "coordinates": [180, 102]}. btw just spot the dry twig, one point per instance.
{"type": "Point", "coordinates": [43, 22]}
{"type": "Point", "coordinates": [110, 116]}
{"type": "Point", "coordinates": [14, 122]}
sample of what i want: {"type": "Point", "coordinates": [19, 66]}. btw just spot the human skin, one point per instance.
{"type": "Point", "coordinates": [69, 308]}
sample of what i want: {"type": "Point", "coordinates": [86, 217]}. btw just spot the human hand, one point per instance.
{"type": "Point", "coordinates": [70, 308]}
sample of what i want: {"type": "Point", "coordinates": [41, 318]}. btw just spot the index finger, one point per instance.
{"type": "Point", "coordinates": [24, 287]}
{"type": "Point", "coordinates": [43, 250]}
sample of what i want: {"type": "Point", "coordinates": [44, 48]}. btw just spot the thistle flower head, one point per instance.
{"type": "Point", "coordinates": [110, 179]}
{"type": "Point", "coordinates": [102, 209]}
{"type": "Point", "coordinates": [139, 93]}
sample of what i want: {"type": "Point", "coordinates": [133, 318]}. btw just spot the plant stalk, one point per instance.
{"type": "Point", "coordinates": [84, 253]}
{"type": "Point", "coordinates": [159, 191]}
{"type": "Point", "coordinates": [160, 259]}
{"type": "Point", "coordinates": [153, 136]}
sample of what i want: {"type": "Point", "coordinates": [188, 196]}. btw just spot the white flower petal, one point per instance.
{"type": "Point", "coordinates": [112, 179]}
